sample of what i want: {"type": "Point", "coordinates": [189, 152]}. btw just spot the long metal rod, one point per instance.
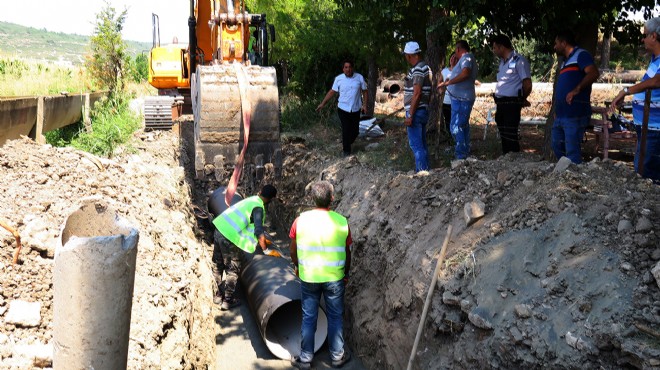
{"type": "Point", "coordinates": [427, 303]}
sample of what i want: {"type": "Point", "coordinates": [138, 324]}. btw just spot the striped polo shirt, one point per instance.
{"type": "Point", "coordinates": [419, 74]}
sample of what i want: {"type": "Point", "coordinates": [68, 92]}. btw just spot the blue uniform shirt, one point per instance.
{"type": "Point", "coordinates": [571, 74]}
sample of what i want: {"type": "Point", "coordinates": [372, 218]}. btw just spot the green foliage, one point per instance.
{"type": "Point", "coordinates": [300, 113]}
{"type": "Point", "coordinates": [113, 124]}
{"type": "Point", "coordinates": [22, 78]}
{"type": "Point", "coordinates": [138, 68]}
{"type": "Point", "coordinates": [108, 50]}
{"type": "Point", "coordinates": [540, 61]}
{"type": "Point", "coordinates": [12, 67]}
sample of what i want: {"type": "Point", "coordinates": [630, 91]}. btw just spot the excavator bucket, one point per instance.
{"type": "Point", "coordinates": [219, 127]}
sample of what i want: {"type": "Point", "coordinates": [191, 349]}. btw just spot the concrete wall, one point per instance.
{"type": "Point", "coordinates": [20, 115]}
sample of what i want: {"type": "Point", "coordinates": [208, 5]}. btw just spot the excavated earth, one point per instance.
{"type": "Point", "coordinates": [40, 186]}
{"type": "Point", "coordinates": [558, 273]}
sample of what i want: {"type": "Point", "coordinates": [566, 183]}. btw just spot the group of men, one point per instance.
{"type": "Point", "coordinates": [320, 249]}
{"type": "Point", "coordinates": [572, 112]}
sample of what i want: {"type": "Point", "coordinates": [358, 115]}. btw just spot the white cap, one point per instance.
{"type": "Point", "coordinates": [412, 48]}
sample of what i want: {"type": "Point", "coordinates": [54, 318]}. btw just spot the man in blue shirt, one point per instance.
{"type": "Point", "coordinates": [572, 97]}
{"type": "Point", "coordinates": [460, 86]}
{"type": "Point", "coordinates": [651, 80]}
{"type": "Point", "coordinates": [352, 92]}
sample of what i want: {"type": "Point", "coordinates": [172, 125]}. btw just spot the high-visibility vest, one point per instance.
{"type": "Point", "coordinates": [235, 224]}
{"type": "Point", "coordinates": [321, 244]}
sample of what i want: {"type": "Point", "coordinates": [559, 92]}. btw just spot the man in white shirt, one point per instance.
{"type": "Point", "coordinates": [352, 92]}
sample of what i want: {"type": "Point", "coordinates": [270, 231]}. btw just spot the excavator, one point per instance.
{"type": "Point", "coordinates": [222, 74]}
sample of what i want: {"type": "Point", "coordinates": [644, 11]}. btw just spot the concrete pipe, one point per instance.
{"type": "Point", "coordinates": [382, 97]}
{"type": "Point", "coordinates": [392, 86]}
{"type": "Point", "coordinates": [273, 293]}
{"type": "Point", "coordinates": [93, 289]}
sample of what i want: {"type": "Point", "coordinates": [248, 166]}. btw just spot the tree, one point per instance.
{"type": "Point", "coordinates": [108, 50]}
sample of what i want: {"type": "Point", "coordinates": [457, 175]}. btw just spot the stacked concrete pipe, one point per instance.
{"type": "Point", "coordinates": [273, 293]}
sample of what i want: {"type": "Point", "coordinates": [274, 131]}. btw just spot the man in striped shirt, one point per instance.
{"type": "Point", "coordinates": [416, 95]}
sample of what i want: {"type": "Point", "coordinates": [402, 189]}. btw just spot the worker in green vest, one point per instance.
{"type": "Point", "coordinates": [321, 250]}
{"type": "Point", "coordinates": [240, 226]}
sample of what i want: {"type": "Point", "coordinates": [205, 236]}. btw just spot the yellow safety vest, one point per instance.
{"type": "Point", "coordinates": [321, 244]}
{"type": "Point", "coordinates": [235, 224]}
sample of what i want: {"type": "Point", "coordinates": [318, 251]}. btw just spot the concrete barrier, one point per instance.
{"type": "Point", "coordinates": [20, 115]}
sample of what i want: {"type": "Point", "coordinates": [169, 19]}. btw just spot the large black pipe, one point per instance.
{"type": "Point", "coordinates": [273, 293]}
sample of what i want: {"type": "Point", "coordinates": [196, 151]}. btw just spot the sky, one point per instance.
{"type": "Point", "coordinates": [78, 16]}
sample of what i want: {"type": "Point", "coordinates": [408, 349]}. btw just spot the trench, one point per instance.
{"type": "Point", "coordinates": [264, 332]}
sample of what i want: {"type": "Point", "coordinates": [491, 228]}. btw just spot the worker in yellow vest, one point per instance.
{"type": "Point", "coordinates": [240, 225]}
{"type": "Point", "coordinates": [320, 249]}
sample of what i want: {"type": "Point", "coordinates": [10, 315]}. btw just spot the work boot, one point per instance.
{"type": "Point", "coordinates": [295, 362]}
{"type": "Point", "coordinates": [344, 359]}
{"type": "Point", "coordinates": [226, 305]}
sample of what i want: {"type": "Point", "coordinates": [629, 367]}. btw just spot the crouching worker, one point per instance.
{"type": "Point", "coordinates": [320, 249]}
{"type": "Point", "coordinates": [240, 226]}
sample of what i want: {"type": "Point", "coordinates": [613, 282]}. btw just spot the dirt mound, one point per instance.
{"type": "Point", "coordinates": [556, 274]}
{"type": "Point", "coordinates": [42, 185]}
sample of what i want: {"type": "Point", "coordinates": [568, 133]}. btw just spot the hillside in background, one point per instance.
{"type": "Point", "coordinates": [23, 42]}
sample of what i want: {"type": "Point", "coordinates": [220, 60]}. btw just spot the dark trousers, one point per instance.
{"type": "Point", "coordinates": [508, 122]}
{"type": "Point", "coordinates": [226, 258]}
{"type": "Point", "coordinates": [446, 117]}
{"type": "Point", "coordinates": [350, 128]}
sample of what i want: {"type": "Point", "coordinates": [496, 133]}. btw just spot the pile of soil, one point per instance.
{"type": "Point", "coordinates": [558, 273]}
{"type": "Point", "coordinates": [171, 322]}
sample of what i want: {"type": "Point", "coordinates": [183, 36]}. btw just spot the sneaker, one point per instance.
{"type": "Point", "coordinates": [344, 359]}
{"type": "Point", "coordinates": [226, 305]}
{"type": "Point", "coordinates": [295, 362]}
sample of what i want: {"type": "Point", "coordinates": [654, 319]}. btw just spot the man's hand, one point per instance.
{"type": "Point", "coordinates": [618, 100]}
{"type": "Point", "coordinates": [570, 95]}
{"type": "Point", "coordinates": [318, 109]}
{"type": "Point", "coordinates": [272, 252]}
{"type": "Point", "coordinates": [408, 121]}
{"type": "Point", "coordinates": [364, 109]}
{"type": "Point", "coordinates": [526, 103]}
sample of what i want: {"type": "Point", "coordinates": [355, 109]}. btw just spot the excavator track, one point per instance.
{"type": "Point", "coordinates": [218, 132]}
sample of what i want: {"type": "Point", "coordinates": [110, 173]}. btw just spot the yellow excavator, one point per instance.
{"type": "Point", "coordinates": [222, 76]}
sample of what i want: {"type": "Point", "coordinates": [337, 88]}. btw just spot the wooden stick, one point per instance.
{"type": "Point", "coordinates": [427, 303]}
{"type": "Point", "coordinates": [16, 236]}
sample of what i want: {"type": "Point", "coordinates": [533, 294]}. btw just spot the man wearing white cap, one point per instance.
{"type": "Point", "coordinates": [416, 95]}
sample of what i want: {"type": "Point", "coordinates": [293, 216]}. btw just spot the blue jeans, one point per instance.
{"type": "Point", "coordinates": [333, 292]}
{"type": "Point", "coordinates": [652, 156]}
{"type": "Point", "coordinates": [417, 139]}
{"type": "Point", "coordinates": [567, 134]}
{"type": "Point", "coordinates": [460, 126]}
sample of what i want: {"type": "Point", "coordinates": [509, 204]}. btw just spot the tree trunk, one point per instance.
{"type": "Point", "coordinates": [547, 152]}
{"type": "Point", "coordinates": [586, 35]}
{"type": "Point", "coordinates": [605, 50]}
{"type": "Point", "coordinates": [372, 82]}
{"type": "Point", "coordinates": [436, 44]}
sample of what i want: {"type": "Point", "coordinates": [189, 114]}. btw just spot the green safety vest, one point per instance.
{"type": "Point", "coordinates": [321, 244]}
{"type": "Point", "coordinates": [235, 224]}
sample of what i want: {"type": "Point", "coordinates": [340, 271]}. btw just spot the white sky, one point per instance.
{"type": "Point", "coordinates": [78, 16]}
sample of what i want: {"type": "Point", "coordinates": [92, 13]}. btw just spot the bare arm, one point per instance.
{"type": "Point", "coordinates": [365, 100]}
{"type": "Point", "coordinates": [293, 251]}
{"type": "Point", "coordinates": [327, 97]}
{"type": "Point", "coordinates": [591, 76]}
{"type": "Point", "coordinates": [464, 75]}
{"type": "Point", "coordinates": [651, 83]}
{"type": "Point", "coordinates": [526, 87]}
{"type": "Point", "coordinates": [417, 96]}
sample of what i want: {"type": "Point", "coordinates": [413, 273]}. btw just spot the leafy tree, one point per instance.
{"type": "Point", "coordinates": [108, 49]}
{"type": "Point", "coordinates": [138, 68]}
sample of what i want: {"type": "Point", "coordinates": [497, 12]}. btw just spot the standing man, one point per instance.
{"type": "Point", "coordinates": [572, 98]}
{"type": "Point", "coordinates": [416, 95]}
{"type": "Point", "coordinates": [240, 225]}
{"type": "Point", "coordinates": [320, 249]}
{"type": "Point", "coordinates": [651, 79]}
{"type": "Point", "coordinates": [460, 87]}
{"type": "Point", "coordinates": [352, 92]}
{"type": "Point", "coordinates": [514, 84]}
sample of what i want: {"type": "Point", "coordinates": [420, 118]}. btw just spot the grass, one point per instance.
{"type": "Point", "coordinates": [22, 78]}
{"type": "Point", "coordinates": [113, 124]}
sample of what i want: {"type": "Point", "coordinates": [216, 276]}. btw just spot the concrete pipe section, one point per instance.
{"type": "Point", "coordinates": [93, 281]}
{"type": "Point", "coordinates": [273, 294]}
